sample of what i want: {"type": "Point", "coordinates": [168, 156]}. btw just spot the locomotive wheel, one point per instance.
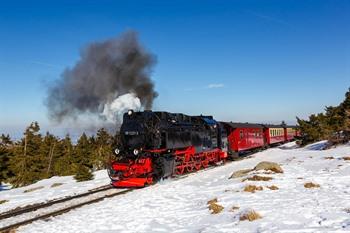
{"type": "Point", "coordinates": [198, 163]}
{"type": "Point", "coordinates": [205, 163]}
{"type": "Point", "coordinates": [180, 169]}
{"type": "Point", "coordinates": [190, 164]}
{"type": "Point", "coordinates": [217, 158]}
{"type": "Point", "coordinates": [149, 180]}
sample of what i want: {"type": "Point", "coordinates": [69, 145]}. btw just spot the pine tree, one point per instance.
{"type": "Point", "coordinates": [49, 152]}
{"type": "Point", "coordinates": [83, 151]}
{"type": "Point", "coordinates": [5, 140]}
{"type": "Point", "coordinates": [83, 173]}
{"type": "Point", "coordinates": [82, 158]}
{"type": "Point", "coordinates": [345, 106]}
{"type": "Point", "coordinates": [333, 126]}
{"type": "Point", "coordinates": [64, 164]}
{"type": "Point", "coordinates": [27, 164]}
{"type": "Point", "coordinates": [102, 149]}
{"type": "Point", "coordinates": [347, 125]}
{"type": "Point", "coordinates": [6, 148]}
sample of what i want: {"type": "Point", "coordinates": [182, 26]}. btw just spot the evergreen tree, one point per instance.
{"type": "Point", "coordinates": [102, 149]}
{"type": "Point", "coordinates": [347, 125]}
{"type": "Point", "coordinates": [83, 151]}
{"type": "Point", "coordinates": [64, 164]}
{"type": "Point", "coordinates": [5, 140]}
{"type": "Point", "coordinates": [335, 119]}
{"type": "Point", "coordinates": [333, 126]}
{"type": "Point", "coordinates": [82, 158]}
{"type": "Point", "coordinates": [27, 164]}
{"type": "Point", "coordinates": [50, 152]}
{"type": "Point", "coordinates": [83, 173]}
{"type": "Point", "coordinates": [6, 147]}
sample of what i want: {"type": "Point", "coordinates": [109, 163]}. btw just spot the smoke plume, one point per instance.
{"type": "Point", "coordinates": [110, 77]}
{"type": "Point", "coordinates": [113, 110]}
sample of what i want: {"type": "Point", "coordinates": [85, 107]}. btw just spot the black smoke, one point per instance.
{"type": "Point", "coordinates": [104, 71]}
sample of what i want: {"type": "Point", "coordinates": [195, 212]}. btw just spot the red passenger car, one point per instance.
{"type": "Point", "coordinates": [289, 133]}
{"type": "Point", "coordinates": [243, 137]}
{"type": "Point", "coordinates": [274, 134]}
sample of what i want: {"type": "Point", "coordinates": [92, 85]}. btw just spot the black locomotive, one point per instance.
{"type": "Point", "coordinates": [154, 144]}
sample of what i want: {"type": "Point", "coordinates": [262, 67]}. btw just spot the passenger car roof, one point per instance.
{"type": "Point", "coordinates": [242, 125]}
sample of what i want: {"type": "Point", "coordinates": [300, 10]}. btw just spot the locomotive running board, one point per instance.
{"type": "Point", "coordinates": [132, 182]}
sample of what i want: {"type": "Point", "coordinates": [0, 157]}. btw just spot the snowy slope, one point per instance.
{"type": "Point", "coordinates": [43, 190]}
{"type": "Point", "coordinates": [180, 205]}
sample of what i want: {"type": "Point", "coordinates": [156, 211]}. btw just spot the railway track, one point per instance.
{"type": "Point", "coordinates": [21, 211]}
{"type": "Point", "coordinates": [34, 207]}
{"type": "Point", "coordinates": [13, 219]}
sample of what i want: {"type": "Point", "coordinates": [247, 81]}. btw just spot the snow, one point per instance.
{"type": "Point", "coordinates": [55, 207]}
{"type": "Point", "coordinates": [180, 204]}
{"type": "Point", "coordinates": [17, 197]}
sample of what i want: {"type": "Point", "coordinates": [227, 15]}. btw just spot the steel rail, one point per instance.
{"type": "Point", "coordinates": [61, 211]}
{"type": "Point", "coordinates": [34, 207]}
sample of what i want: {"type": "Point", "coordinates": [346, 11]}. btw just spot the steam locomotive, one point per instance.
{"type": "Point", "coordinates": [156, 145]}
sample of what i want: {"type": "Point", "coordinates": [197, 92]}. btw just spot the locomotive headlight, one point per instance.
{"type": "Point", "coordinates": [136, 151]}
{"type": "Point", "coordinates": [130, 112]}
{"type": "Point", "coordinates": [117, 151]}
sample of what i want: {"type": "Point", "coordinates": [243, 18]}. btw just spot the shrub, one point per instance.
{"type": "Point", "coordinates": [273, 187]}
{"type": "Point", "coordinates": [33, 189]}
{"type": "Point", "coordinates": [3, 201]}
{"type": "Point", "coordinates": [83, 174]}
{"type": "Point", "coordinates": [258, 178]}
{"type": "Point", "coordinates": [311, 185]}
{"type": "Point", "coordinates": [214, 207]}
{"type": "Point", "coordinates": [252, 188]}
{"type": "Point", "coordinates": [250, 215]}
{"type": "Point", "coordinates": [56, 185]}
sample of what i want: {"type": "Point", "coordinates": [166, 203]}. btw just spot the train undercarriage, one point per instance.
{"type": "Point", "coordinates": [156, 165]}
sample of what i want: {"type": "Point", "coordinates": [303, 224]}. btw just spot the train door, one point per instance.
{"type": "Point", "coordinates": [222, 138]}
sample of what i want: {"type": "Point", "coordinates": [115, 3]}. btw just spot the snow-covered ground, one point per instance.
{"type": "Point", "coordinates": [49, 189]}
{"type": "Point", "coordinates": [180, 205]}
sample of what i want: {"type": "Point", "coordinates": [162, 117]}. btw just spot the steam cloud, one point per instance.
{"type": "Point", "coordinates": [114, 109]}
{"type": "Point", "coordinates": [110, 77]}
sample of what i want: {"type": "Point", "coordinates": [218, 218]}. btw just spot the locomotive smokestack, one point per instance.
{"type": "Point", "coordinates": [109, 76]}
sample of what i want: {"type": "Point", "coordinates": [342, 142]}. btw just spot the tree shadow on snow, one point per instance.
{"type": "Point", "coordinates": [317, 146]}
{"type": "Point", "coordinates": [4, 187]}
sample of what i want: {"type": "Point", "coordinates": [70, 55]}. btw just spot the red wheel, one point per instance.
{"type": "Point", "coordinates": [205, 163]}
{"type": "Point", "coordinates": [190, 164]}
{"type": "Point", "coordinates": [217, 158]}
{"type": "Point", "coordinates": [149, 180]}
{"type": "Point", "coordinates": [180, 169]}
{"type": "Point", "coordinates": [197, 163]}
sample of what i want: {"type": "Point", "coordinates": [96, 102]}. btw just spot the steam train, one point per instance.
{"type": "Point", "coordinates": [156, 145]}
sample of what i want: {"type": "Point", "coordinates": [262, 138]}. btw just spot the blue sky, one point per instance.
{"type": "Point", "coordinates": [257, 61]}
